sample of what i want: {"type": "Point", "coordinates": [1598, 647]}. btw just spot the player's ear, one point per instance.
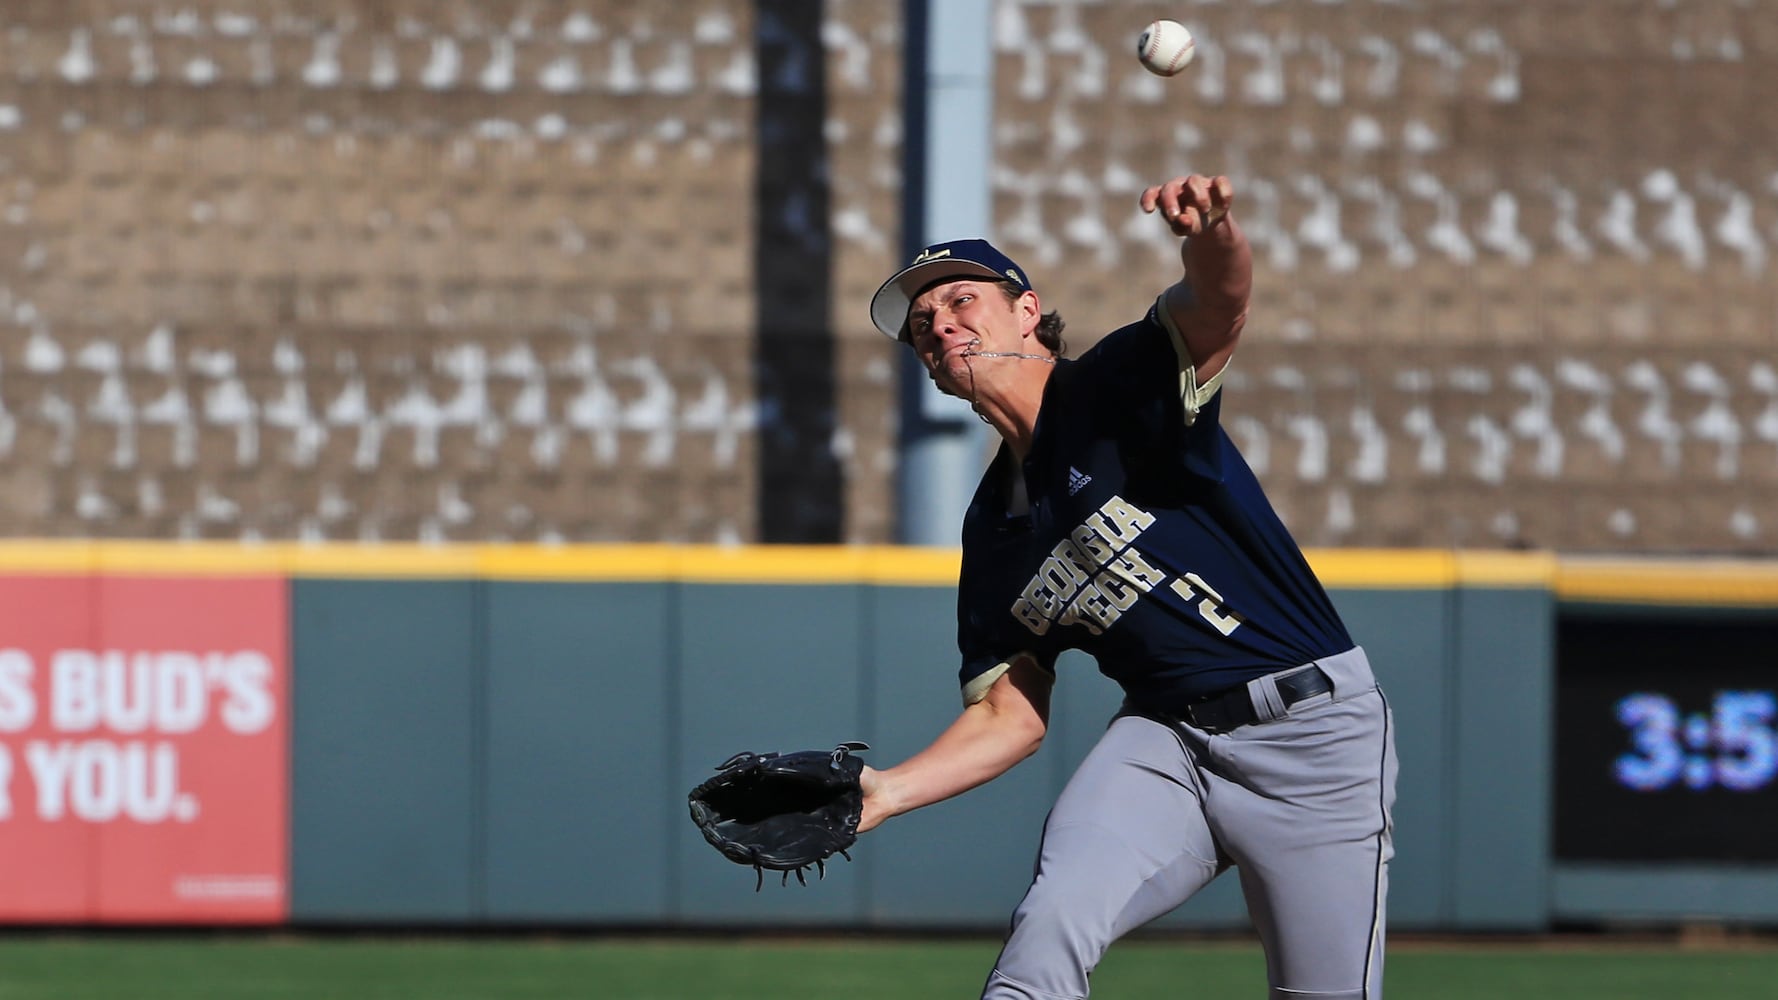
{"type": "Point", "coordinates": [1030, 312]}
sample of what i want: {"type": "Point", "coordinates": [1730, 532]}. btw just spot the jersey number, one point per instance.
{"type": "Point", "coordinates": [1191, 586]}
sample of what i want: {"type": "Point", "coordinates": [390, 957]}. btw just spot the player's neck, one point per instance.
{"type": "Point", "coordinates": [1011, 407]}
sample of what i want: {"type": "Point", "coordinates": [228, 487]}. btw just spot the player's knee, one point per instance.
{"type": "Point", "coordinates": [1080, 889]}
{"type": "Point", "coordinates": [1060, 924]}
{"type": "Point", "coordinates": [1047, 955]}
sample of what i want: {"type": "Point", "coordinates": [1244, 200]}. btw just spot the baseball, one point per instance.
{"type": "Point", "coordinates": [1165, 47]}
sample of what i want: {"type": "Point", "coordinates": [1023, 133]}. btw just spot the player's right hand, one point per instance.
{"type": "Point", "coordinates": [1191, 204]}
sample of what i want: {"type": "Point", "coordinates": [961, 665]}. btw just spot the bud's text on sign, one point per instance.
{"type": "Point", "coordinates": [143, 749]}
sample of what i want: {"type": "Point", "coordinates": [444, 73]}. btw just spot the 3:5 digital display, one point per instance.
{"type": "Point", "coordinates": [1732, 746]}
{"type": "Point", "coordinates": [1666, 736]}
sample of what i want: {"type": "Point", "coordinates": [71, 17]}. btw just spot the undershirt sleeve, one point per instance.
{"type": "Point", "coordinates": [1192, 396]}
{"type": "Point", "coordinates": [976, 688]}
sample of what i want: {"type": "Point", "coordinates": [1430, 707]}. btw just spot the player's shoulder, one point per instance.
{"type": "Point", "coordinates": [1138, 338]}
{"type": "Point", "coordinates": [1136, 342]}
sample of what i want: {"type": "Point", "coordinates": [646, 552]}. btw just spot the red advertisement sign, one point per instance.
{"type": "Point", "coordinates": [143, 749]}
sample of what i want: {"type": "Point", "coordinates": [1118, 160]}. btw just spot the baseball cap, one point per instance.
{"type": "Point", "coordinates": [956, 259]}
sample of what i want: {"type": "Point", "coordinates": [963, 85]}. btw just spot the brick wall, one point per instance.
{"type": "Point", "coordinates": [411, 269]}
{"type": "Point", "coordinates": [1514, 259]}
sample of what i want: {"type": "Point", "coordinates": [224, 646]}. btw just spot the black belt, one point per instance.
{"type": "Point", "coordinates": [1233, 708]}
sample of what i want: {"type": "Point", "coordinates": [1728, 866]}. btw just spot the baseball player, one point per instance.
{"type": "Point", "coordinates": [1119, 519]}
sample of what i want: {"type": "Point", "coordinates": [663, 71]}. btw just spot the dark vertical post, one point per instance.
{"type": "Point", "coordinates": [916, 430]}
{"type": "Point", "coordinates": [800, 481]}
{"type": "Point", "coordinates": [916, 16]}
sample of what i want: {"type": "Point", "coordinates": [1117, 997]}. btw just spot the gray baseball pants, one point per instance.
{"type": "Point", "coordinates": [1299, 802]}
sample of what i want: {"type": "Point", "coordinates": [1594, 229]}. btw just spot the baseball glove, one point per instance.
{"type": "Point", "coordinates": [783, 811]}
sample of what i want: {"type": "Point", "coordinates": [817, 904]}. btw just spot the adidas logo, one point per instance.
{"type": "Point", "coordinates": [1077, 480]}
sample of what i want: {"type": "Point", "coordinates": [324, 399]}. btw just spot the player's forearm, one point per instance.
{"type": "Point", "coordinates": [1219, 268]}
{"type": "Point", "coordinates": [1209, 304]}
{"type": "Point", "coordinates": [986, 741]}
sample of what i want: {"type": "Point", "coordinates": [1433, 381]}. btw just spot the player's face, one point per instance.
{"type": "Point", "coordinates": [952, 322]}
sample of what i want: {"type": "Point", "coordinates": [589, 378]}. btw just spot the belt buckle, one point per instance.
{"type": "Point", "coordinates": [1221, 723]}
{"type": "Point", "coordinates": [1191, 715]}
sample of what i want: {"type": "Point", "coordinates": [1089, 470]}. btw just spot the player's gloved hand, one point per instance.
{"type": "Point", "coordinates": [785, 812]}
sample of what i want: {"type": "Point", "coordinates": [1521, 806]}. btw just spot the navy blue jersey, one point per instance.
{"type": "Point", "coordinates": [1147, 542]}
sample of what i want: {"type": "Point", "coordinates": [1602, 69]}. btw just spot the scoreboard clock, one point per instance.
{"type": "Point", "coordinates": [1666, 736]}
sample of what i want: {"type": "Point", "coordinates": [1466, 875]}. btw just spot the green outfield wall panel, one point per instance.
{"type": "Point", "coordinates": [580, 679]}
{"type": "Point", "coordinates": [1504, 648]}
{"type": "Point", "coordinates": [385, 750]}
{"type": "Point", "coordinates": [1658, 895]}
{"type": "Point", "coordinates": [966, 861]}
{"type": "Point", "coordinates": [1407, 634]}
{"type": "Point", "coordinates": [762, 668]}
{"type": "Point", "coordinates": [476, 730]}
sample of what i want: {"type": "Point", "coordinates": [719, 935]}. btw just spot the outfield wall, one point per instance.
{"type": "Point", "coordinates": [504, 735]}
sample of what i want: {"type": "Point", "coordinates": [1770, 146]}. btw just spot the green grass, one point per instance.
{"type": "Point", "coordinates": [129, 967]}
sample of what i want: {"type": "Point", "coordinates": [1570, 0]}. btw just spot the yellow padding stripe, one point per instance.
{"type": "Point", "coordinates": [1648, 581]}
{"type": "Point", "coordinates": [1571, 578]}
{"type": "Point", "coordinates": [786, 564]}
{"type": "Point", "coordinates": [1517, 570]}
{"type": "Point", "coordinates": [140, 558]}
{"type": "Point", "coordinates": [1384, 568]}
{"type": "Point", "coordinates": [789, 564]}
{"type": "Point", "coordinates": [75, 556]}
{"type": "Point", "coordinates": [33, 557]}
{"type": "Point", "coordinates": [382, 560]}
{"type": "Point", "coordinates": [1432, 568]}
